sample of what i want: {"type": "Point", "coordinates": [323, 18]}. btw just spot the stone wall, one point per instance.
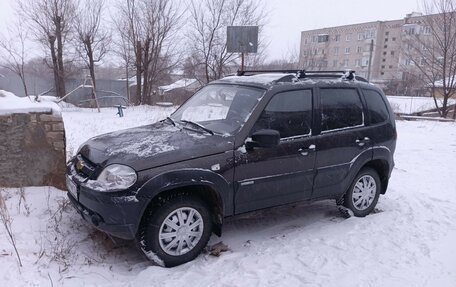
{"type": "Point", "coordinates": [32, 150]}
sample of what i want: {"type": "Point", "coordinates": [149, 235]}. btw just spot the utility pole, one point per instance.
{"type": "Point", "coordinates": [371, 50]}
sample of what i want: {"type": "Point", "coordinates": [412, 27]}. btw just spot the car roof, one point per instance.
{"type": "Point", "coordinates": [270, 79]}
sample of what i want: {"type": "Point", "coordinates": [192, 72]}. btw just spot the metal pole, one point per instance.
{"type": "Point", "coordinates": [371, 50]}
{"type": "Point", "coordinates": [242, 61]}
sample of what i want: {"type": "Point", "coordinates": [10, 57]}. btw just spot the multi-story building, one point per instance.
{"type": "Point", "coordinates": [374, 50]}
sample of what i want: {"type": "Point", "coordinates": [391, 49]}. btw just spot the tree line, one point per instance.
{"type": "Point", "coordinates": [148, 38]}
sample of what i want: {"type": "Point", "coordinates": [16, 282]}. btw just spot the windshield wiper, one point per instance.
{"type": "Point", "coordinates": [198, 125]}
{"type": "Point", "coordinates": [171, 120]}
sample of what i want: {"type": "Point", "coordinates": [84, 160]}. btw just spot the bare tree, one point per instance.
{"type": "Point", "coordinates": [7, 224]}
{"type": "Point", "coordinates": [151, 25]}
{"type": "Point", "coordinates": [13, 48]}
{"type": "Point", "coordinates": [123, 49]}
{"type": "Point", "coordinates": [51, 22]}
{"type": "Point", "coordinates": [430, 50]}
{"type": "Point", "coordinates": [208, 20]}
{"type": "Point", "coordinates": [92, 39]}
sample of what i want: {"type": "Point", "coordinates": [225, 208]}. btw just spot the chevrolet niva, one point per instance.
{"type": "Point", "coordinates": [242, 143]}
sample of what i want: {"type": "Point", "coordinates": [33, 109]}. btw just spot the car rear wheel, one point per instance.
{"type": "Point", "coordinates": [363, 194]}
{"type": "Point", "coordinates": [175, 231]}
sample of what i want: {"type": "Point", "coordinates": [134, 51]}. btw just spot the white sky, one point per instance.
{"type": "Point", "coordinates": [287, 18]}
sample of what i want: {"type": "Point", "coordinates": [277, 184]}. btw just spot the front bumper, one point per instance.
{"type": "Point", "coordinates": [117, 214]}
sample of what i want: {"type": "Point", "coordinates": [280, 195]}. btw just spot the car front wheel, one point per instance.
{"type": "Point", "coordinates": [175, 231]}
{"type": "Point", "coordinates": [363, 194]}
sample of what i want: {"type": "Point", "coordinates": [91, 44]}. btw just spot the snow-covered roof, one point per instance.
{"type": "Point", "coordinates": [182, 83]}
{"type": "Point", "coordinates": [12, 104]}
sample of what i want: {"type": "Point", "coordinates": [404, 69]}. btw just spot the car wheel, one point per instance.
{"type": "Point", "coordinates": [363, 193]}
{"type": "Point", "coordinates": [176, 230]}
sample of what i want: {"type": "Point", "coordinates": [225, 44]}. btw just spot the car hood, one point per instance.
{"type": "Point", "coordinates": [152, 145]}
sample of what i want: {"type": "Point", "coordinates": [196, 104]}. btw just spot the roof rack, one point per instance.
{"type": "Point", "coordinates": [301, 74]}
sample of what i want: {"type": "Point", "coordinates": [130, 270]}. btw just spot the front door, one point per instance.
{"type": "Point", "coordinates": [282, 174]}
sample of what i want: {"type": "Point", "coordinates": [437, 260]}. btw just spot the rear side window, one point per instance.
{"type": "Point", "coordinates": [340, 108]}
{"type": "Point", "coordinates": [378, 111]}
{"type": "Point", "coordinates": [290, 113]}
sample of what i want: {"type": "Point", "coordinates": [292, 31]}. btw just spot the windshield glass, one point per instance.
{"type": "Point", "coordinates": [222, 109]}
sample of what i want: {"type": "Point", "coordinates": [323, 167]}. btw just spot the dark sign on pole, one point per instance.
{"type": "Point", "coordinates": [242, 39]}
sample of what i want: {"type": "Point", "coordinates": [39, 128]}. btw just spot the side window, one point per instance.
{"type": "Point", "coordinates": [377, 108]}
{"type": "Point", "coordinates": [340, 108]}
{"type": "Point", "coordinates": [290, 113]}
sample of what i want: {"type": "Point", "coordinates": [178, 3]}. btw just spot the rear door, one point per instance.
{"type": "Point", "coordinates": [343, 139]}
{"type": "Point", "coordinates": [272, 176]}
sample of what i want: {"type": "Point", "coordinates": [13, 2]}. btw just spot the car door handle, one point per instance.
{"type": "Point", "coordinates": [362, 142]}
{"type": "Point", "coordinates": [305, 151]}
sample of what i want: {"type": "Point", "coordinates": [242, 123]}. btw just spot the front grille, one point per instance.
{"type": "Point", "coordinates": [84, 167]}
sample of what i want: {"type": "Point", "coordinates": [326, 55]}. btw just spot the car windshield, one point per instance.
{"type": "Point", "coordinates": [222, 109]}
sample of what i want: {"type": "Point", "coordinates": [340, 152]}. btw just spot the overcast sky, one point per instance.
{"type": "Point", "coordinates": [287, 18]}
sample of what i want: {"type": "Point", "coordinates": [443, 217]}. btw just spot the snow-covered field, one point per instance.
{"type": "Point", "coordinates": [409, 105]}
{"type": "Point", "coordinates": [408, 241]}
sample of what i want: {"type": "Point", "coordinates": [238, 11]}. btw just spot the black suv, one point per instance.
{"type": "Point", "coordinates": [242, 143]}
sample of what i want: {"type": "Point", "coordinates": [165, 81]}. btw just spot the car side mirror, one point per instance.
{"type": "Point", "coordinates": [263, 139]}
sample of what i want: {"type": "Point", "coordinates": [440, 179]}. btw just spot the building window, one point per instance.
{"type": "Point", "coordinates": [394, 39]}
{"type": "Point", "coordinates": [384, 60]}
{"type": "Point", "coordinates": [336, 50]}
{"type": "Point", "coordinates": [337, 38]}
{"type": "Point", "coordinates": [322, 38]}
{"type": "Point", "coordinates": [383, 66]}
{"type": "Point", "coordinates": [427, 30]}
{"type": "Point", "coordinates": [392, 53]}
{"type": "Point", "coordinates": [365, 62]}
{"type": "Point", "coordinates": [347, 50]}
{"type": "Point", "coordinates": [358, 63]}
{"type": "Point", "coordinates": [386, 46]}
{"type": "Point", "coordinates": [384, 53]}
{"type": "Point", "coordinates": [346, 63]}
{"type": "Point", "coordinates": [387, 33]}
{"type": "Point", "coordinates": [408, 62]}
{"type": "Point", "coordinates": [386, 39]}
{"type": "Point", "coordinates": [382, 73]}
{"type": "Point", "coordinates": [360, 36]}
{"type": "Point", "coordinates": [370, 34]}
{"type": "Point", "coordinates": [314, 39]}
{"type": "Point", "coordinates": [348, 37]}
{"type": "Point", "coordinates": [411, 29]}
{"type": "Point", "coordinates": [390, 66]}
{"type": "Point", "coordinates": [359, 49]}
{"type": "Point", "coordinates": [335, 63]}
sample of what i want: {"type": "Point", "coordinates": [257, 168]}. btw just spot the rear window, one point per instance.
{"type": "Point", "coordinates": [378, 112]}
{"type": "Point", "coordinates": [340, 109]}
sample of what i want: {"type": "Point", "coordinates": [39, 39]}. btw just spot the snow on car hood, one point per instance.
{"type": "Point", "coordinates": [151, 146]}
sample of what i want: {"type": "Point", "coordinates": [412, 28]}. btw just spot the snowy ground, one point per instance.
{"type": "Point", "coordinates": [410, 105]}
{"type": "Point", "coordinates": [409, 241]}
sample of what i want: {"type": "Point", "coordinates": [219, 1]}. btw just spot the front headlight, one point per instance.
{"type": "Point", "coordinates": [114, 177]}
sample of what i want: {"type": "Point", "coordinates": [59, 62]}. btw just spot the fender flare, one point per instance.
{"type": "Point", "coordinates": [187, 177]}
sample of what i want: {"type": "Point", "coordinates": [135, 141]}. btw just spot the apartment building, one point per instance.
{"type": "Point", "coordinates": [373, 49]}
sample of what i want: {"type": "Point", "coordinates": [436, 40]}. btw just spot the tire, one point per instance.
{"type": "Point", "coordinates": [362, 196]}
{"type": "Point", "coordinates": [176, 230]}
